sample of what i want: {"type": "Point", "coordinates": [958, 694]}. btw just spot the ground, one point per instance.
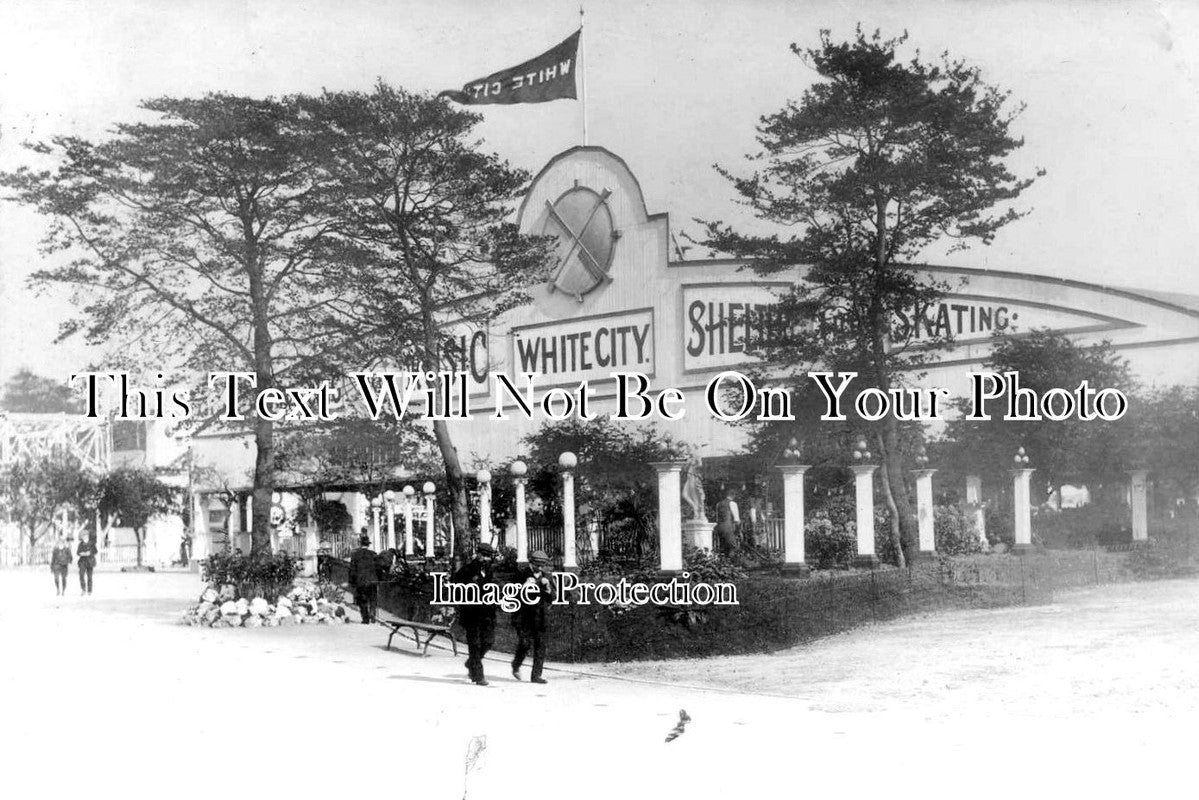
{"type": "Point", "coordinates": [1092, 696]}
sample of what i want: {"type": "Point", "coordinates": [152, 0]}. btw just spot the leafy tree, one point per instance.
{"type": "Point", "coordinates": [34, 490]}
{"type": "Point", "coordinates": [1165, 437]}
{"type": "Point", "coordinates": [133, 496]}
{"type": "Point", "coordinates": [614, 480]}
{"type": "Point", "coordinates": [28, 392]}
{"type": "Point", "coordinates": [876, 162]}
{"type": "Point", "coordinates": [428, 248]}
{"type": "Point", "coordinates": [196, 240]}
{"type": "Point", "coordinates": [1067, 451]}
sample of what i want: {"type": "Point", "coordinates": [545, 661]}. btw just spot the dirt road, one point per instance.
{"type": "Point", "coordinates": [107, 696]}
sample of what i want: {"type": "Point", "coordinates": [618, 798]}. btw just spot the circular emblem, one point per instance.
{"type": "Point", "coordinates": [586, 236]}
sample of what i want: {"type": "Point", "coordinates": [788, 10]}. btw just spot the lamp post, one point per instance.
{"type": "Point", "coordinates": [409, 549]}
{"type": "Point", "coordinates": [568, 461]}
{"type": "Point", "coordinates": [518, 470]}
{"type": "Point", "coordinates": [793, 511]}
{"type": "Point", "coordinates": [389, 498]}
{"type": "Point", "coordinates": [1021, 502]}
{"type": "Point", "coordinates": [484, 478]}
{"type": "Point", "coordinates": [376, 503]}
{"type": "Point", "coordinates": [430, 490]}
{"type": "Point", "coordinates": [863, 475]}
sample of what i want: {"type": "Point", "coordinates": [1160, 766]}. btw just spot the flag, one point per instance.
{"type": "Point", "coordinates": [549, 76]}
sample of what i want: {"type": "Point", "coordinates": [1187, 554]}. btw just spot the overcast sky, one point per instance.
{"type": "Point", "coordinates": [1111, 93]}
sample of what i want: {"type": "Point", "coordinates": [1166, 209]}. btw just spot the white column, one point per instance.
{"type": "Point", "coordinates": [670, 515]}
{"type": "Point", "coordinates": [200, 532]}
{"type": "Point", "coordinates": [1022, 509]}
{"type": "Point", "coordinates": [1138, 496]}
{"type": "Point", "coordinates": [391, 524]}
{"type": "Point", "coordinates": [409, 548]}
{"type": "Point", "coordinates": [484, 477]}
{"type": "Point", "coordinates": [522, 530]}
{"type": "Point", "coordinates": [430, 540]}
{"type": "Point", "coordinates": [569, 557]}
{"type": "Point", "coordinates": [375, 524]}
{"type": "Point", "coordinates": [924, 510]}
{"type": "Point", "coordinates": [793, 519]}
{"type": "Point", "coordinates": [863, 476]}
{"type": "Point", "coordinates": [974, 500]}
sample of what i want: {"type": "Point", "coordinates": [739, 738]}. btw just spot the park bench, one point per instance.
{"type": "Point", "coordinates": [395, 624]}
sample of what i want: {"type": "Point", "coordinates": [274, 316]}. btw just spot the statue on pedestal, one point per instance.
{"type": "Point", "coordinates": [693, 492]}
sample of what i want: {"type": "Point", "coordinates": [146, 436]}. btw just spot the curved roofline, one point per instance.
{"type": "Point", "coordinates": [591, 148]}
{"type": "Point", "coordinates": [1131, 294]}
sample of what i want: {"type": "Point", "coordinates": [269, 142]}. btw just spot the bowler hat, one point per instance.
{"type": "Point", "coordinates": [484, 549]}
{"type": "Point", "coordinates": [539, 557]}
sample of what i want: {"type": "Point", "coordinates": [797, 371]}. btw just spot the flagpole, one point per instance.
{"type": "Point", "coordinates": [583, 72]}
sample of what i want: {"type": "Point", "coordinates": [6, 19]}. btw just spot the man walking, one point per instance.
{"type": "Point", "coordinates": [728, 519]}
{"type": "Point", "coordinates": [530, 619]}
{"type": "Point", "coordinates": [87, 562]}
{"type": "Point", "coordinates": [478, 620]}
{"type": "Point", "coordinates": [364, 578]}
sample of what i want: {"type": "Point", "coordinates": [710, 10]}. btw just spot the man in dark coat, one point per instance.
{"type": "Point", "coordinates": [87, 562]}
{"type": "Point", "coordinates": [364, 576]}
{"type": "Point", "coordinates": [478, 620]}
{"type": "Point", "coordinates": [530, 619]}
{"type": "Point", "coordinates": [728, 519]}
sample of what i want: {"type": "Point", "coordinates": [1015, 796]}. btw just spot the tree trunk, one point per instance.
{"type": "Point", "coordinates": [892, 506]}
{"type": "Point", "coordinates": [898, 489]}
{"type": "Point", "coordinates": [464, 537]}
{"type": "Point", "coordinates": [137, 537]}
{"type": "Point", "coordinates": [264, 488]}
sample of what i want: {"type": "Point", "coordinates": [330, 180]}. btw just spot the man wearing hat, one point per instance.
{"type": "Point", "coordinates": [363, 578]}
{"type": "Point", "coordinates": [529, 620]}
{"type": "Point", "coordinates": [478, 620]}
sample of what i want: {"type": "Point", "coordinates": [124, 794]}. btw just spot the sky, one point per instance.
{"type": "Point", "coordinates": [1110, 93]}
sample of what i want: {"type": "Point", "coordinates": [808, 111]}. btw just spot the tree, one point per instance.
{"type": "Point", "coordinates": [876, 162]}
{"type": "Point", "coordinates": [428, 247]}
{"type": "Point", "coordinates": [1165, 437]}
{"type": "Point", "coordinates": [134, 496]}
{"type": "Point", "coordinates": [28, 392]}
{"type": "Point", "coordinates": [1067, 451]}
{"type": "Point", "coordinates": [614, 480]}
{"type": "Point", "coordinates": [196, 241]}
{"type": "Point", "coordinates": [33, 490]}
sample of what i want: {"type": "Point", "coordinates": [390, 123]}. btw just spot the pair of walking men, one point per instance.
{"type": "Point", "coordinates": [60, 563]}
{"type": "Point", "coordinates": [529, 620]}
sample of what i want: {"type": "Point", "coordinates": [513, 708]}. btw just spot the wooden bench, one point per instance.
{"type": "Point", "coordinates": [396, 623]}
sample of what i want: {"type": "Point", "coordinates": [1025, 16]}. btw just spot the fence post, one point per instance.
{"type": "Point", "coordinates": [874, 594]}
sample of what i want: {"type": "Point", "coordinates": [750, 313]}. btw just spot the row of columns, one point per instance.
{"type": "Point", "coordinates": [670, 518]}
{"type": "Point", "coordinates": [670, 523]}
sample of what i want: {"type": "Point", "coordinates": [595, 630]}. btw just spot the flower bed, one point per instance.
{"type": "Point", "coordinates": [306, 604]}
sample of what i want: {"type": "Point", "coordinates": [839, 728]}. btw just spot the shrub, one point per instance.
{"type": "Point", "coordinates": [998, 517]}
{"type": "Point", "coordinates": [1082, 527]}
{"type": "Point", "coordinates": [955, 532]}
{"type": "Point", "coordinates": [252, 576]}
{"type": "Point", "coordinates": [828, 543]}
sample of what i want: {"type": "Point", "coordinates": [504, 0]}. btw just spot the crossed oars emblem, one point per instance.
{"type": "Point", "coordinates": [586, 257]}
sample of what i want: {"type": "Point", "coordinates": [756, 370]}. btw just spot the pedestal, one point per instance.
{"type": "Point", "coordinates": [698, 533]}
